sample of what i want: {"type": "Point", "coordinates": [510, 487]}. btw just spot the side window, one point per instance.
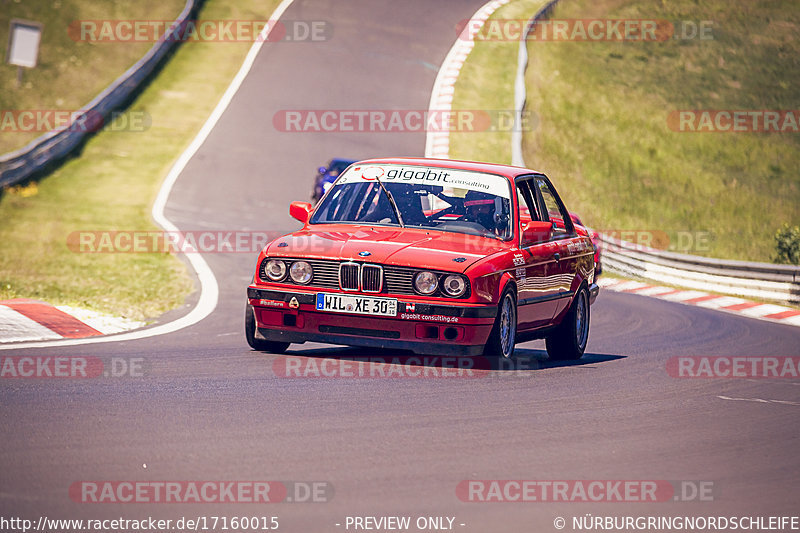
{"type": "Point", "coordinates": [527, 202]}
{"type": "Point", "coordinates": [528, 210]}
{"type": "Point", "coordinates": [554, 212]}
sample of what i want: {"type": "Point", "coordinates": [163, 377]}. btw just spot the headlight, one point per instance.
{"type": "Point", "coordinates": [275, 269]}
{"type": "Point", "coordinates": [300, 272]}
{"type": "Point", "coordinates": [426, 282]}
{"type": "Point", "coordinates": [454, 285]}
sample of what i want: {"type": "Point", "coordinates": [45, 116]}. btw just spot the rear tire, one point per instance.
{"type": "Point", "coordinates": [259, 344]}
{"type": "Point", "coordinates": [504, 333]}
{"type": "Point", "coordinates": [568, 341]}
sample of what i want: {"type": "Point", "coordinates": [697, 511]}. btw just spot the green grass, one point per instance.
{"type": "Point", "coordinates": [69, 72]}
{"type": "Point", "coordinates": [602, 132]}
{"type": "Point", "coordinates": [112, 185]}
{"type": "Point", "coordinates": [604, 138]}
{"type": "Point", "coordinates": [486, 82]}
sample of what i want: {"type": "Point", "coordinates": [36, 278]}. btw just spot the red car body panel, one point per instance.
{"type": "Point", "coordinates": [595, 236]}
{"type": "Point", "coordinates": [400, 246]}
{"type": "Point", "coordinates": [544, 277]}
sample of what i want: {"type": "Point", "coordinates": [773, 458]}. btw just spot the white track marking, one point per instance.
{"type": "Point", "coordinates": [684, 295]}
{"type": "Point", "coordinates": [609, 282]}
{"type": "Point", "coordinates": [209, 289]}
{"type": "Point", "coordinates": [722, 301]}
{"type": "Point", "coordinates": [758, 400]}
{"type": "Point", "coordinates": [763, 310]}
{"type": "Point", "coordinates": [629, 285]}
{"type": "Point", "coordinates": [654, 291]}
{"type": "Point", "coordinates": [105, 324]}
{"type": "Point", "coordinates": [717, 303]}
{"type": "Point", "coordinates": [793, 320]}
{"type": "Point", "coordinates": [437, 143]}
{"type": "Point", "coordinates": [17, 327]}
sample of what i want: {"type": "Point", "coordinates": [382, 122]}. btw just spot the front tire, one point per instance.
{"type": "Point", "coordinates": [568, 341]}
{"type": "Point", "coordinates": [259, 344]}
{"type": "Point", "coordinates": [504, 334]}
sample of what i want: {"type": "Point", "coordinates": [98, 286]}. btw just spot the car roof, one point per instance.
{"type": "Point", "coordinates": [508, 171]}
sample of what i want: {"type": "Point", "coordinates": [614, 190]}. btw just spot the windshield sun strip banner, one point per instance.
{"type": "Point", "coordinates": [422, 175]}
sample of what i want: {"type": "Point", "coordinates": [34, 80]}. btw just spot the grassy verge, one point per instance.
{"type": "Point", "coordinates": [112, 185]}
{"type": "Point", "coordinates": [486, 82]}
{"type": "Point", "coordinates": [70, 72]}
{"type": "Point", "coordinates": [605, 138]}
{"type": "Point", "coordinates": [603, 132]}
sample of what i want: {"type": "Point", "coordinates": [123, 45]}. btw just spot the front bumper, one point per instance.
{"type": "Point", "coordinates": [430, 329]}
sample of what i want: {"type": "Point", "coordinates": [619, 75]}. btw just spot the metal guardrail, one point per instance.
{"type": "Point", "coordinates": [520, 93]}
{"type": "Point", "coordinates": [53, 146]}
{"type": "Point", "coordinates": [740, 278]}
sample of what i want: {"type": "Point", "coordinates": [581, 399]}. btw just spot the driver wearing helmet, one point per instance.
{"type": "Point", "coordinates": [481, 207]}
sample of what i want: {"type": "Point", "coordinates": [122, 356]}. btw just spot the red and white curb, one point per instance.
{"type": "Point", "coordinates": [437, 143]}
{"type": "Point", "coordinates": [22, 320]}
{"type": "Point", "coordinates": [730, 304]}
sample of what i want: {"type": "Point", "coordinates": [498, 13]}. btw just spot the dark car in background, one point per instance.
{"type": "Point", "coordinates": [327, 175]}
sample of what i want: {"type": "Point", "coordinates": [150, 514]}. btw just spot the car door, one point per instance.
{"type": "Point", "coordinates": [535, 263]}
{"type": "Point", "coordinates": [568, 246]}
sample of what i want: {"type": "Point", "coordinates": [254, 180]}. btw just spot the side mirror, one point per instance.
{"type": "Point", "coordinates": [322, 170]}
{"type": "Point", "coordinates": [301, 211]}
{"type": "Point", "coordinates": [536, 231]}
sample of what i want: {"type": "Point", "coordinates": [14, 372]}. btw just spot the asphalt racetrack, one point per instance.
{"type": "Point", "coordinates": [209, 408]}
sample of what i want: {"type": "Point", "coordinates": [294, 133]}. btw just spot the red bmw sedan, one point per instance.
{"type": "Point", "coordinates": [430, 255]}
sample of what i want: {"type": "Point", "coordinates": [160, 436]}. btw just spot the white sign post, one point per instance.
{"type": "Point", "coordinates": [24, 37]}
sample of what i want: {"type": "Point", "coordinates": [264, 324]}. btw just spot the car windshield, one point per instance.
{"type": "Point", "coordinates": [426, 197]}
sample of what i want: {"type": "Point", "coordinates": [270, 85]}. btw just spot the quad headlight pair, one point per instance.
{"type": "Point", "coordinates": [425, 282]}
{"type": "Point", "coordinates": [300, 271]}
{"type": "Point", "coordinates": [453, 285]}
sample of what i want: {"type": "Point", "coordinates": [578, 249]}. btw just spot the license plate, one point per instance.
{"type": "Point", "coordinates": [359, 305]}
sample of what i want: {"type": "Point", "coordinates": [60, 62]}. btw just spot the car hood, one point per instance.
{"type": "Point", "coordinates": [430, 249]}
